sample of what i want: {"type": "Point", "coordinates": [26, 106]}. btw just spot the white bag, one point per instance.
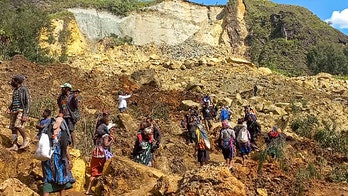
{"type": "Point", "coordinates": [243, 135]}
{"type": "Point", "coordinates": [43, 151]}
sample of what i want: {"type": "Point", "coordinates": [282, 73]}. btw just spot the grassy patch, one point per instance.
{"type": "Point", "coordinates": [305, 126]}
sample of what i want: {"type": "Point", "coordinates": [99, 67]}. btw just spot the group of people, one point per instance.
{"type": "Point", "coordinates": [241, 138]}
{"type": "Point", "coordinates": [57, 174]}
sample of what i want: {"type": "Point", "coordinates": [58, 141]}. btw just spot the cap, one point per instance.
{"type": "Point", "coordinates": [66, 85]}
{"type": "Point", "coordinates": [19, 78]}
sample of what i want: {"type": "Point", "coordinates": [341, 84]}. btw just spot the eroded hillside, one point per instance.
{"type": "Point", "coordinates": [162, 78]}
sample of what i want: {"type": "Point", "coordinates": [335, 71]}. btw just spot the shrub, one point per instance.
{"type": "Point", "coordinates": [338, 174]}
{"type": "Point", "coordinates": [304, 126]}
{"type": "Point", "coordinates": [329, 137]}
{"type": "Point", "coordinates": [20, 26]}
{"type": "Point", "coordinates": [39, 105]}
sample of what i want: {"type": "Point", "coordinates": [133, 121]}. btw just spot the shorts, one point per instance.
{"type": "Point", "coordinates": [16, 120]}
{"type": "Point", "coordinates": [228, 153]}
{"type": "Point", "coordinates": [71, 124]}
{"type": "Point", "coordinates": [122, 109]}
{"type": "Point", "coordinates": [97, 165]}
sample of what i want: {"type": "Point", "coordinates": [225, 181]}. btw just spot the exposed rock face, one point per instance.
{"type": "Point", "coordinates": [169, 22]}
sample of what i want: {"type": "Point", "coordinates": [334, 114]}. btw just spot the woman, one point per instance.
{"type": "Point", "coordinates": [57, 176]}
{"type": "Point", "coordinates": [101, 153]}
{"type": "Point", "coordinates": [243, 139]}
{"type": "Point", "coordinates": [142, 152]}
{"type": "Point", "coordinates": [227, 138]}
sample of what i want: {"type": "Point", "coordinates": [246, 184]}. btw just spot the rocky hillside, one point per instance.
{"type": "Point", "coordinates": [164, 80]}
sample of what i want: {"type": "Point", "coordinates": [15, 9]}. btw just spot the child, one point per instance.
{"type": "Point", "coordinates": [44, 122]}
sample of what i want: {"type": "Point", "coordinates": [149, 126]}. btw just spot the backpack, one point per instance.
{"type": "Point", "coordinates": [243, 135]}
{"type": "Point", "coordinates": [224, 114]}
{"type": "Point", "coordinates": [201, 137]}
{"type": "Point", "coordinates": [74, 112]}
{"type": "Point", "coordinates": [212, 110]}
{"type": "Point", "coordinates": [226, 140]}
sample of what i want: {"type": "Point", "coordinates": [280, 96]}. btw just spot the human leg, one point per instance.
{"type": "Point", "coordinates": [91, 180]}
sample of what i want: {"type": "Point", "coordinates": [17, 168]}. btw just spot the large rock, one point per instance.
{"type": "Point", "coordinates": [186, 104]}
{"type": "Point", "coordinates": [78, 170]}
{"type": "Point", "coordinates": [14, 187]}
{"type": "Point", "coordinates": [211, 180]}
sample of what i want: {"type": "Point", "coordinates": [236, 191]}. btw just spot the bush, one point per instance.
{"type": "Point", "coordinates": [339, 174]}
{"type": "Point", "coordinates": [304, 126]}
{"type": "Point", "coordinates": [328, 57]}
{"type": "Point", "coordinates": [20, 26]}
{"type": "Point", "coordinates": [329, 137]}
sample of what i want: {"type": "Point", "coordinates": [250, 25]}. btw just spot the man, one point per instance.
{"type": "Point", "coordinates": [122, 102]}
{"type": "Point", "coordinates": [207, 116]}
{"type": "Point", "coordinates": [19, 111]}
{"type": "Point", "coordinates": [68, 103]}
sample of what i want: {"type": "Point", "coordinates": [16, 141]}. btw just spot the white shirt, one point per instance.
{"type": "Point", "coordinates": [122, 103]}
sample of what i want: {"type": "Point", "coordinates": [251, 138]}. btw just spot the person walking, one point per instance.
{"type": "Point", "coordinates": [227, 138]}
{"type": "Point", "coordinates": [19, 111]}
{"type": "Point", "coordinates": [122, 101]}
{"type": "Point", "coordinates": [68, 103]}
{"type": "Point", "coordinates": [57, 176]}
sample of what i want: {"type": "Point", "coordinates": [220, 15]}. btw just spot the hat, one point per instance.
{"type": "Point", "coordinates": [66, 85]}
{"type": "Point", "coordinates": [19, 78]}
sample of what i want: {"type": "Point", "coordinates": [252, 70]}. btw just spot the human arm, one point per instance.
{"type": "Point", "coordinates": [25, 101]}
{"type": "Point", "coordinates": [70, 163]}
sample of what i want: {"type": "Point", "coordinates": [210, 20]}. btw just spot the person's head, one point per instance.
{"type": "Point", "coordinates": [46, 113]}
{"type": "Point", "coordinates": [66, 88]}
{"type": "Point", "coordinates": [240, 121]}
{"type": "Point", "coordinates": [143, 125]}
{"type": "Point", "coordinates": [225, 124]}
{"type": "Point", "coordinates": [105, 113]}
{"type": "Point", "coordinates": [275, 128]}
{"type": "Point", "coordinates": [17, 80]}
{"type": "Point", "coordinates": [148, 132]}
{"type": "Point", "coordinates": [120, 92]}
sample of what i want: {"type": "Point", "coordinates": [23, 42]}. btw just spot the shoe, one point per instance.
{"type": "Point", "coordinates": [13, 148]}
{"type": "Point", "coordinates": [25, 144]}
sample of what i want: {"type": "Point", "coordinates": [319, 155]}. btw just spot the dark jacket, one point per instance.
{"type": "Point", "coordinates": [24, 98]}
{"type": "Point", "coordinates": [72, 104]}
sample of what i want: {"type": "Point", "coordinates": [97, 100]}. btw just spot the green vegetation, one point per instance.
{"type": "Point", "coordinates": [39, 105]}
{"type": "Point", "coordinates": [305, 126]}
{"type": "Point", "coordinates": [275, 149]}
{"type": "Point", "coordinates": [117, 7]}
{"type": "Point", "coordinates": [303, 175]}
{"type": "Point", "coordinates": [330, 58]}
{"type": "Point", "coordinates": [281, 36]}
{"type": "Point", "coordinates": [339, 173]}
{"type": "Point", "coordinates": [329, 137]}
{"type": "Point", "coordinates": [20, 25]}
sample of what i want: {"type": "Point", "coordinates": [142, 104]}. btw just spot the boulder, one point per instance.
{"type": "Point", "coordinates": [78, 170]}
{"type": "Point", "coordinates": [211, 180]}
{"type": "Point", "coordinates": [265, 70]}
{"type": "Point", "coordinates": [15, 187]}
{"type": "Point", "coordinates": [186, 104]}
